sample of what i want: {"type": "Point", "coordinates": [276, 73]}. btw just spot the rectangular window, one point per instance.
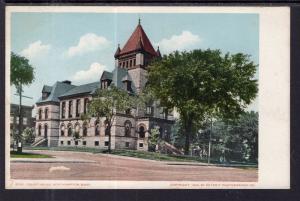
{"type": "Point", "coordinates": [149, 110]}
{"type": "Point", "coordinates": [84, 143]}
{"type": "Point", "coordinates": [85, 105]}
{"type": "Point", "coordinates": [46, 113]}
{"type": "Point", "coordinates": [76, 142]}
{"type": "Point", "coordinates": [126, 144]}
{"type": "Point", "coordinates": [25, 121]}
{"type": "Point", "coordinates": [77, 107]}
{"type": "Point", "coordinates": [61, 142]}
{"type": "Point", "coordinates": [11, 120]}
{"type": "Point", "coordinates": [69, 142]}
{"type": "Point", "coordinates": [141, 145]}
{"type": "Point", "coordinates": [96, 143]}
{"type": "Point", "coordinates": [70, 109]}
{"type": "Point", "coordinates": [63, 109]}
{"type": "Point", "coordinates": [17, 120]}
{"type": "Point", "coordinates": [106, 143]}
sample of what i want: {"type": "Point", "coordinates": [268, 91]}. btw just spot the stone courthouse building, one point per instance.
{"type": "Point", "coordinates": [60, 107]}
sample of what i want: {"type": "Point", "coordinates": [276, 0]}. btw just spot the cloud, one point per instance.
{"type": "Point", "coordinates": [88, 43]}
{"type": "Point", "coordinates": [35, 49]}
{"type": "Point", "coordinates": [92, 74]}
{"type": "Point", "coordinates": [184, 41]}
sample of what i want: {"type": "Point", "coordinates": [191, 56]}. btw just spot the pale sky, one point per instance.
{"type": "Point", "coordinates": [79, 46]}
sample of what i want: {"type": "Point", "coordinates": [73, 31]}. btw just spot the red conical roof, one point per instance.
{"type": "Point", "coordinates": [136, 37]}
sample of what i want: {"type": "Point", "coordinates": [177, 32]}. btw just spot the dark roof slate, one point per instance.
{"type": "Point", "coordinates": [106, 75]}
{"type": "Point", "coordinates": [56, 90]}
{"type": "Point", "coordinates": [82, 89]}
{"type": "Point", "coordinates": [47, 89]}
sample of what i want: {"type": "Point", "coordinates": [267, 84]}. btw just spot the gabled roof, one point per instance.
{"type": "Point", "coordinates": [47, 89]}
{"type": "Point", "coordinates": [56, 90]}
{"type": "Point", "coordinates": [118, 75]}
{"type": "Point", "coordinates": [106, 75]}
{"type": "Point", "coordinates": [133, 42]}
{"type": "Point", "coordinates": [82, 89]}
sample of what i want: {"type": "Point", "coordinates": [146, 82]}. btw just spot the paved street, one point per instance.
{"type": "Point", "coordinates": [87, 166]}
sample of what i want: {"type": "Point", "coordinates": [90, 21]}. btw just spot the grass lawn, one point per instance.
{"type": "Point", "coordinates": [146, 155]}
{"type": "Point", "coordinates": [14, 154]}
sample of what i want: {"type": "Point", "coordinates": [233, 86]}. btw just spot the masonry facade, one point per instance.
{"type": "Point", "coordinates": [60, 108]}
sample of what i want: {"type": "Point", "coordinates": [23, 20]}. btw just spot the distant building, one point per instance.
{"type": "Point", "coordinates": [61, 105]}
{"type": "Point", "coordinates": [28, 120]}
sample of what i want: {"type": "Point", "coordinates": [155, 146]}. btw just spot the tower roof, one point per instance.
{"type": "Point", "coordinates": [137, 37]}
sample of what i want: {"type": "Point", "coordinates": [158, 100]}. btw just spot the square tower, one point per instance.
{"type": "Point", "coordinates": [136, 55]}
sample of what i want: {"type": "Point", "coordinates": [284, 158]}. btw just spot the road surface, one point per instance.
{"type": "Point", "coordinates": [68, 165]}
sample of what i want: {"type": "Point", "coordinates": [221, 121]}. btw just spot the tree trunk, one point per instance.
{"type": "Point", "coordinates": [188, 130]}
{"type": "Point", "coordinates": [109, 139]}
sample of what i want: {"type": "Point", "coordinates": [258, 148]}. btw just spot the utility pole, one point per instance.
{"type": "Point", "coordinates": [19, 93]}
{"type": "Point", "coordinates": [209, 141]}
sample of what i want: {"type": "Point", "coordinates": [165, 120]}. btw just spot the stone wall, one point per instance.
{"type": "Point", "coordinates": [51, 123]}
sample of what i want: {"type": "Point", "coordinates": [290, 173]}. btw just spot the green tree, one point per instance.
{"type": "Point", "coordinates": [76, 136]}
{"type": "Point", "coordinates": [28, 135]}
{"type": "Point", "coordinates": [237, 138]}
{"type": "Point", "coordinates": [202, 84]}
{"type": "Point", "coordinates": [245, 131]}
{"type": "Point", "coordinates": [21, 73]}
{"type": "Point", "coordinates": [154, 138]}
{"type": "Point", "coordinates": [108, 103]}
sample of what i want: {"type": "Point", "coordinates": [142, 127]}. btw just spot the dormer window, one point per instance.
{"type": "Point", "coordinates": [45, 95]}
{"type": "Point", "coordinates": [105, 84]}
{"type": "Point", "coordinates": [127, 85]}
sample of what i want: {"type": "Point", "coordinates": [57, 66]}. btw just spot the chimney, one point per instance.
{"type": "Point", "coordinates": [67, 82]}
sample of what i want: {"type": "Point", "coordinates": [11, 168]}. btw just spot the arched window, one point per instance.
{"type": "Point", "coordinates": [84, 129]}
{"type": "Point", "coordinates": [106, 127]}
{"type": "Point", "coordinates": [69, 130]}
{"type": "Point", "coordinates": [127, 126]}
{"type": "Point", "coordinates": [77, 127]}
{"type": "Point", "coordinates": [97, 128]}
{"type": "Point", "coordinates": [46, 113]}
{"type": "Point", "coordinates": [46, 131]}
{"type": "Point", "coordinates": [141, 131]}
{"type": "Point", "coordinates": [40, 113]}
{"type": "Point", "coordinates": [62, 130]}
{"type": "Point", "coordinates": [40, 130]}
